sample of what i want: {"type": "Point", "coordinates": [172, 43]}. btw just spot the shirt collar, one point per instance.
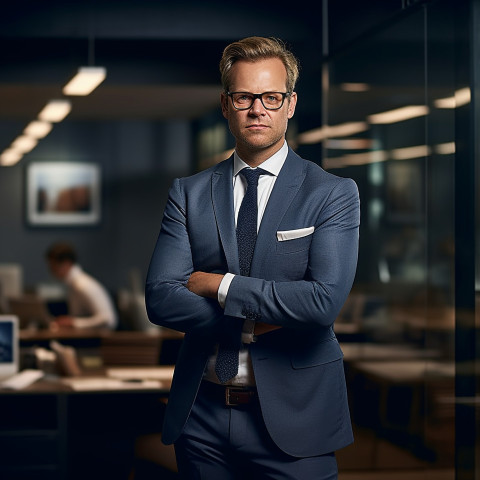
{"type": "Point", "coordinates": [272, 165]}
{"type": "Point", "coordinates": [74, 272]}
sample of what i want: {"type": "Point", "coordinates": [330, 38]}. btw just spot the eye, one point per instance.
{"type": "Point", "coordinates": [272, 98]}
{"type": "Point", "coordinates": [243, 98]}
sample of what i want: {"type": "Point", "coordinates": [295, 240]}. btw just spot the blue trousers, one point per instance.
{"type": "Point", "coordinates": [232, 443]}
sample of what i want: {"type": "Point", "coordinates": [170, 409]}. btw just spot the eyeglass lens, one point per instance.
{"type": "Point", "coordinates": [270, 100]}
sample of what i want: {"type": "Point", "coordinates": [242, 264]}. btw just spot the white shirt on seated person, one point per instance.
{"type": "Point", "coordinates": [89, 303]}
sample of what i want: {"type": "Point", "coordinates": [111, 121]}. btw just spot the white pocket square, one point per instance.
{"type": "Point", "coordinates": [292, 234]}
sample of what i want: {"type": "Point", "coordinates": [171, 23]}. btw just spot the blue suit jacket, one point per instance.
{"type": "Point", "coordinates": [299, 284]}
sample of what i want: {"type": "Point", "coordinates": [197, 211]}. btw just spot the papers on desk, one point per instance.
{"type": "Point", "coordinates": [142, 373]}
{"type": "Point", "coordinates": [104, 383]}
{"type": "Point", "coordinates": [124, 378]}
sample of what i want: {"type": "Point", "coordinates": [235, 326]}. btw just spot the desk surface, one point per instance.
{"type": "Point", "coordinates": [433, 318]}
{"type": "Point", "coordinates": [406, 371]}
{"type": "Point", "coordinates": [115, 379]}
{"type": "Point", "coordinates": [98, 333]}
{"type": "Point", "coordinates": [50, 430]}
{"type": "Point", "coordinates": [385, 352]}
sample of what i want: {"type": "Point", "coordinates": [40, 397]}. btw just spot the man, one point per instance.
{"type": "Point", "coordinates": [284, 412]}
{"type": "Point", "coordinates": [89, 304]}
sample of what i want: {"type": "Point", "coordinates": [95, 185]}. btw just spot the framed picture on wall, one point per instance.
{"type": "Point", "coordinates": [63, 193]}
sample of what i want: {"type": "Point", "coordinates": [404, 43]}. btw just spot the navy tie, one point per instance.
{"type": "Point", "coordinates": [226, 366]}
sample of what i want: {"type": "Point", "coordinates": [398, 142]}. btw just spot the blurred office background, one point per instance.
{"type": "Point", "coordinates": [386, 97]}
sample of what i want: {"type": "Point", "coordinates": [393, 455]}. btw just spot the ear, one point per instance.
{"type": "Point", "coordinates": [292, 104]}
{"type": "Point", "coordinates": [224, 104]}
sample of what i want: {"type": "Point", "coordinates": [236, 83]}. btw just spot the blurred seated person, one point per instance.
{"type": "Point", "coordinates": [89, 303]}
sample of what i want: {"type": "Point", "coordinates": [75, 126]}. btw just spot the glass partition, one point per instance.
{"type": "Point", "coordinates": [391, 127]}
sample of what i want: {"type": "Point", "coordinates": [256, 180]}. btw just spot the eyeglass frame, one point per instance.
{"type": "Point", "coordinates": [259, 96]}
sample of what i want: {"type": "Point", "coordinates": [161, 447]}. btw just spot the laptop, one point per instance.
{"type": "Point", "coordinates": [9, 345]}
{"type": "Point", "coordinates": [31, 311]}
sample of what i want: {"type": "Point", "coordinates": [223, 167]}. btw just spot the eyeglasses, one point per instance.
{"type": "Point", "coordinates": [270, 100]}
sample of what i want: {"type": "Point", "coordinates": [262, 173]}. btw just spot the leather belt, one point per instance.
{"type": "Point", "coordinates": [235, 396]}
{"type": "Point", "coordinates": [231, 396]}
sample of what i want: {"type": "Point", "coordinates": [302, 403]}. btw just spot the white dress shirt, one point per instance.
{"type": "Point", "coordinates": [88, 301]}
{"type": "Point", "coordinates": [273, 165]}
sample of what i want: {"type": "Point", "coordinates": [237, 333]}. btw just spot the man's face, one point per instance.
{"type": "Point", "coordinates": [259, 132]}
{"type": "Point", "coordinates": [59, 269]}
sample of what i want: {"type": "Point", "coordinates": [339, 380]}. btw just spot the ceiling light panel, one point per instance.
{"type": "Point", "coordinates": [38, 129]}
{"type": "Point", "coordinates": [85, 81]}
{"type": "Point", "coordinates": [55, 111]}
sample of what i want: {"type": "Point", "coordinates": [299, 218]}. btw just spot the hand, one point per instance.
{"type": "Point", "coordinates": [204, 284]}
{"type": "Point", "coordinates": [63, 321]}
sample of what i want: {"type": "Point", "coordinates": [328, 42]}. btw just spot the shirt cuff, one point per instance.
{"type": "Point", "coordinates": [223, 288]}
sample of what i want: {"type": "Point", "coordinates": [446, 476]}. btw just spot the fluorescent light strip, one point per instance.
{"type": "Point", "coordinates": [38, 129]}
{"type": "Point", "coordinates": [24, 144]}
{"type": "Point", "coordinates": [85, 81]}
{"type": "Point", "coordinates": [340, 130]}
{"type": "Point", "coordinates": [447, 102]}
{"type": "Point", "coordinates": [354, 159]}
{"type": "Point", "coordinates": [410, 152]}
{"type": "Point", "coordinates": [10, 157]}
{"type": "Point", "coordinates": [366, 157]}
{"type": "Point", "coordinates": [375, 156]}
{"type": "Point", "coordinates": [445, 148]}
{"type": "Point", "coordinates": [354, 87]}
{"type": "Point", "coordinates": [55, 111]}
{"type": "Point", "coordinates": [399, 114]}
{"type": "Point", "coordinates": [350, 144]}
{"type": "Point", "coordinates": [460, 98]}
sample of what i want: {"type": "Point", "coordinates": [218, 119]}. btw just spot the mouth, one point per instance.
{"type": "Point", "coordinates": [256, 126]}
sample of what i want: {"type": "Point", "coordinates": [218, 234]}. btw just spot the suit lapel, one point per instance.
{"type": "Point", "coordinates": [222, 198]}
{"type": "Point", "coordinates": [286, 187]}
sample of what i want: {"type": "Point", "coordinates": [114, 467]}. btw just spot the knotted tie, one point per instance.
{"type": "Point", "coordinates": [226, 366]}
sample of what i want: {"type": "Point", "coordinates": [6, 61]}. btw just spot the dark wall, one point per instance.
{"type": "Point", "coordinates": [138, 161]}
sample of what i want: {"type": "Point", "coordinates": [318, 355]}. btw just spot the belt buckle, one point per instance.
{"type": "Point", "coordinates": [235, 401]}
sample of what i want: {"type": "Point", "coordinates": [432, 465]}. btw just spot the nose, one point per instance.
{"type": "Point", "coordinates": [257, 107]}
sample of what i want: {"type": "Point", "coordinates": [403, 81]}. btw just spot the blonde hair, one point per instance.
{"type": "Point", "coordinates": [259, 48]}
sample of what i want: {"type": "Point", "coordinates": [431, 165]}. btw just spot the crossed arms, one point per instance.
{"type": "Point", "coordinates": [184, 298]}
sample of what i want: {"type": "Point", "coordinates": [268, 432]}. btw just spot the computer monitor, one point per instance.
{"type": "Point", "coordinates": [31, 311]}
{"type": "Point", "coordinates": [9, 345]}
{"type": "Point", "coordinates": [11, 280]}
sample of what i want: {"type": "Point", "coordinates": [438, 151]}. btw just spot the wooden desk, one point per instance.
{"type": "Point", "coordinates": [438, 319]}
{"type": "Point", "coordinates": [29, 336]}
{"type": "Point", "coordinates": [51, 431]}
{"type": "Point", "coordinates": [400, 399]}
{"type": "Point", "coordinates": [112, 347]}
{"type": "Point", "coordinates": [384, 352]}
{"type": "Point", "coordinates": [407, 372]}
